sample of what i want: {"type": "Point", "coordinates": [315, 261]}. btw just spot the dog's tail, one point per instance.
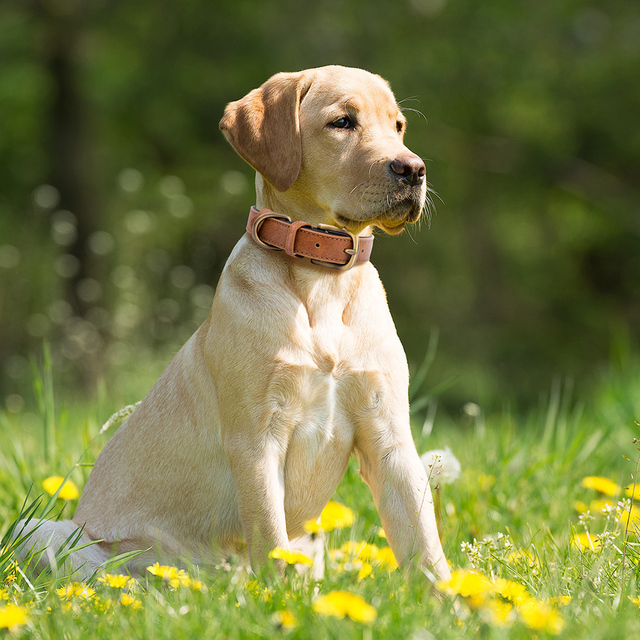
{"type": "Point", "coordinates": [59, 545]}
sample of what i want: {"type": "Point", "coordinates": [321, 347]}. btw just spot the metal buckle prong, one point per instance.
{"type": "Point", "coordinates": [256, 227]}
{"type": "Point", "coordinates": [353, 252]}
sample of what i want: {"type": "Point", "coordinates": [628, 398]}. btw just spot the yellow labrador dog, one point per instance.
{"type": "Point", "coordinates": [248, 432]}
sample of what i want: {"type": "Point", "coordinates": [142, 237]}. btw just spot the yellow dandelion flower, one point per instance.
{"type": "Point", "coordinates": [633, 492]}
{"type": "Point", "coordinates": [635, 516]}
{"type": "Point", "coordinates": [128, 600]}
{"type": "Point", "coordinates": [601, 485]}
{"type": "Point", "coordinates": [381, 533]}
{"type": "Point", "coordinates": [290, 557]}
{"type": "Point", "coordinates": [580, 507]}
{"type": "Point", "coordinates": [285, 620]}
{"type": "Point", "coordinates": [386, 559]}
{"type": "Point", "coordinates": [342, 603]}
{"type": "Point", "coordinates": [365, 570]}
{"type": "Point", "coordinates": [312, 526]}
{"type": "Point", "coordinates": [362, 550]}
{"type": "Point", "coordinates": [497, 613]}
{"type": "Point", "coordinates": [198, 585]}
{"type": "Point", "coordinates": [541, 616]}
{"type": "Point", "coordinates": [77, 590]}
{"type": "Point", "coordinates": [597, 506]}
{"type": "Point", "coordinates": [560, 601]}
{"type": "Point", "coordinates": [4, 594]}
{"type": "Point", "coordinates": [68, 492]}
{"type": "Point", "coordinates": [586, 541]}
{"type": "Point", "coordinates": [116, 581]}
{"type": "Point", "coordinates": [510, 590]}
{"type": "Point", "coordinates": [12, 616]}
{"type": "Point", "coordinates": [175, 577]}
{"type": "Point", "coordinates": [330, 605]}
{"type": "Point", "coordinates": [333, 516]}
{"type": "Point", "coordinates": [162, 571]}
{"type": "Point", "coordinates": [181, 579]}
{"type": "Point", "coordinates": [635, 600]}
{"type": "Point", "coordinates": [467, 583]}
{"type": "Point", "coordinates": [478, 600]}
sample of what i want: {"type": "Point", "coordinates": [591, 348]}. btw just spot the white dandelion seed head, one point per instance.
{"type": "Point", "coordinates": [441, 465]}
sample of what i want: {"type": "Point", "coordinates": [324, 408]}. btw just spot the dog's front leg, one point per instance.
{"type": "Point", "coordinates": [258, 477]}
{"type": "Point", "coordinates": [390, 465]}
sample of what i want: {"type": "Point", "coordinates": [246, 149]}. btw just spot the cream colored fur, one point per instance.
{"type": "Point", "coordinates": [248, 432]}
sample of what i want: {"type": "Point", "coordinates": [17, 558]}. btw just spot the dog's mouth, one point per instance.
{"type": "Point", "coordinates": [391, 228]}
{"type": "Point", "coordinates": [392, 219]}
{"type": "Point", "coordinates": [405, 211]}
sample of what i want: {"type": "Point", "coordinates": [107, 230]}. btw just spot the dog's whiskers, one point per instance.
{"type": "Point", "coordinates": [358, 185]}
{"type": "Point", "coordinates": [429, 207]}
{"type": "Point", "coordinates": [434, 192]}
{"type": "Point", "coordinates": [403, 109]}
{"type": "Point", "coordinates": [413, 98]}
{"type": "Point", "coordinates": [373, 164]}
{"type": "Point", "coordinates": [408, 230]}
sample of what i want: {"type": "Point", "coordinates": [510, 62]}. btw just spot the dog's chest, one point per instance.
{"type": "Point", "coordinates": [312, 423]}
{"type": "Point", "coordinates": [306, 395]}
{"type": "Point", "coordinates": [318, 391]}
{"type": "Point", "coordinates": [325, 371]}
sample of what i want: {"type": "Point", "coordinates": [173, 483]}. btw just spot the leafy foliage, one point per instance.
{"type": "Point", "coordinates": [120, 200]}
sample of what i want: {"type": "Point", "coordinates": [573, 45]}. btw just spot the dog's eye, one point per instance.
{"type": "Point", "coordinates": [399, 126]}
{"type": "Point", "coordinates": [343, 123]}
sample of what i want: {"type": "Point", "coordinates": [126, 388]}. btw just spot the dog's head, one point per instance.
{"type": "Point", "coordinates": [330, 140]}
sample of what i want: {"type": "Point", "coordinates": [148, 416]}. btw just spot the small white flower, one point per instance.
{"type": "Point", "coordinates": [472, 410]}
{"type": "Point", "coordinates": [441, 465]}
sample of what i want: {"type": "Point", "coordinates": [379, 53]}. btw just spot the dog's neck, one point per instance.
{"type": "Point", "coordinates": [315, 286]}
{"type": "Point", "coordinates": [295, 205]}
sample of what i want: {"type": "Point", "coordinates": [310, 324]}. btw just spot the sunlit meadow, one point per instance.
{"type": "Point", "coordinates": [540, 523]}
{"type": "Point", "coordinates": [538, 512]}
{"type": "Point", "coordinates": [540, 519]}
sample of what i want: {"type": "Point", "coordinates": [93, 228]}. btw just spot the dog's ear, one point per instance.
{"type": "Point", "coordinates": [264, 127]}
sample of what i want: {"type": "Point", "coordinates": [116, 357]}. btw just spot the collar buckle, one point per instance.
{"type": "Point", "coordinates": [255, 227]}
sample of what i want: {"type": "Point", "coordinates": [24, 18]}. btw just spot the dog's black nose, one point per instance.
{"type": "Point", "coordinates": [409, 167]}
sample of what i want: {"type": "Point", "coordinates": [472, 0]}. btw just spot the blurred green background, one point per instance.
{"type": "Point", "coordinates": [120, 200]}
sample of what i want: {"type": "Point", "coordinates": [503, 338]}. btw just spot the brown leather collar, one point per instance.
{"type": "Point", "coordinates": [325, 244]}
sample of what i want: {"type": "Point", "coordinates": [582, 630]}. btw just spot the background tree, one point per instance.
{"type": "Point", "coordinates": [109, 111]}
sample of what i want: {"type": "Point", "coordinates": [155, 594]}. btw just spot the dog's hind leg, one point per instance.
{"type": "Point", "coordinates": [46, 541]}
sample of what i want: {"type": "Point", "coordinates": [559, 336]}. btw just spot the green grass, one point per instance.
{"type": "Point", "coordinates": [510, 514]}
